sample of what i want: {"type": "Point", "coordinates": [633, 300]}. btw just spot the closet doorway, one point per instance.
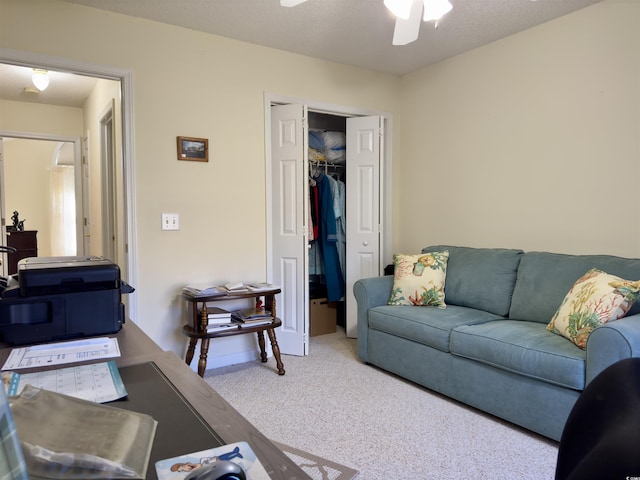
{"type": "Point", "coordinates": [290, 167]}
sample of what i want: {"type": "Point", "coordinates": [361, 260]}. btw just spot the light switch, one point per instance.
{"type": "Point", "coordinates": [170, 221]}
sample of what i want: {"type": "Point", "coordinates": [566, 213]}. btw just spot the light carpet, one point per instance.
{"type": "Point", "coordinates": [334, 406]}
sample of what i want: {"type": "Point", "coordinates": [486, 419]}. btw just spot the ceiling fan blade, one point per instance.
{"type": "Point", "coordinates": [291, 3]}
{"type": "Point", "coordinates": [406, 31]}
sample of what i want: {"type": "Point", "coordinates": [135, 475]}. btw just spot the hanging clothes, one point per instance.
{"type": "Point", "coordinates": [328, 236]}
{"type": "Point", "coordinates": [316, 264]}
{"type": "Point", "coordinates": [338, 192]}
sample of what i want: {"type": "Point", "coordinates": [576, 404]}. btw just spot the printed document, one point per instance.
{"type": "Point", "coordinates": [51, 354]}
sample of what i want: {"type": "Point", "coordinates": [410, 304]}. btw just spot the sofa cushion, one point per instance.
{"type": "Point", "coordinates": [525, 348]}
{"type": "Point", "coordinates": [428, 326]}
{"type": "Point", "coordinates": [545, 278]}
{"type": "Point", "coordinates": [596, 298]}
{"type": "Point", "coordinates": [481, 278]}
{"type": "Point", "coordinates": [419, 279]}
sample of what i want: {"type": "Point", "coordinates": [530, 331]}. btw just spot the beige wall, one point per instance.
{"type": "Point", "coordinates": [529, 142]}
{"type": "Point", "coordinates": [27, 168]}
{"type": "Point", "coordinates": [193, 84]}
{"type": "Point", "coordinates": [40, 119]}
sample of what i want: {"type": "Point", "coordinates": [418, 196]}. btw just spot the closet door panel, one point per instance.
{"type": "Point", "coordinates": [363, 207]}
{"type": "Point", "coordinates": [366, 221]}
{"type": "Point", "coordinates": [289, 203]}
{"type": "Point", "coordinates": [288, 191]}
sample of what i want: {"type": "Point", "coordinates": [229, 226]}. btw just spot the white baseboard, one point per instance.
{"type": "Point", "coordinates": [229, 359]}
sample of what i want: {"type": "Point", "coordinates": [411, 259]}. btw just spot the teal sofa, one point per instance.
{"type": "Point", "coordinates": [489, 348]}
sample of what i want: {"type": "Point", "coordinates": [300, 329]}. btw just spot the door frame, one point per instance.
{"type": "Point", "coordinates": [125, 77]}
{"type": "Point", "coordinates": [107, 181]}
{"type": "Point", "coordinates": [386, 224]}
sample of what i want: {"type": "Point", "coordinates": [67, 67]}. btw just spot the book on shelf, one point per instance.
{"type": "Point", "coordinates": [252, 316]}
{"type": "Point", "coordinates": [253, 322]}
{"type": "Point", "coordinates": [221, 327]}
{"type": "Point", "coordinates": [251, 313]}
{"type": "Point", "coordinates": [216, 313]}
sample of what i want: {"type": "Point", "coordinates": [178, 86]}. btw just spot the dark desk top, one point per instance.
{"type": "Point", "coordinates": [224, 421]}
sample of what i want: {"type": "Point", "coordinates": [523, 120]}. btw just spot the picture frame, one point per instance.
{"type": "Point", "coordinates": [193, 149]}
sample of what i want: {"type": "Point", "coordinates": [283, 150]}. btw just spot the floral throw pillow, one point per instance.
{"type": "Point", "coordinates": [595, 299]}
{"type": "Point", "coordinates": [419, 279]}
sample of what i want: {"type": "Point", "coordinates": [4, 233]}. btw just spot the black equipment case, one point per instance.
{"type": "Point", "coordinates": [58, 298]}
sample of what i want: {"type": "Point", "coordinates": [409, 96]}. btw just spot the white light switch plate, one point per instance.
{"type": "Point", "coordinates": [170, 221]}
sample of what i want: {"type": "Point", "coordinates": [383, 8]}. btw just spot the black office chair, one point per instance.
{"type": "Point", "coordinates": [601, 439]}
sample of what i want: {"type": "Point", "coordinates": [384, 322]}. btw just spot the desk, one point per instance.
{"type": "Point", "coordinates": [197, 329]}
{"type": "Point", "coordinates": [137, 348]}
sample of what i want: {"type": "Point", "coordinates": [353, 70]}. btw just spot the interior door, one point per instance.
{"type": "Point", "coordinates": [289, 239]}
{"type": "Point", "coordinates": [364, 160]}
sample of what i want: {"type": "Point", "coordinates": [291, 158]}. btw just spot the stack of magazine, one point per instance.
{"type": "Point", "coordinates": [251, 317]}
{"type": "Point", "coordinates": [237, 287]}
{"type": "Point", "coordinates": [203, 291]}
{"type": "Point", "coordinates": [261, 286]}
{"type": "Point", "coordinates": [219, 320]}
{"type": "Point", "coordinates": [196, 290]}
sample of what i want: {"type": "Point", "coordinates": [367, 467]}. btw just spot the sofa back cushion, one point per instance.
{"type": "Point", "coordinates": [545, 278]}
{"type": "Point", "coordinates": [481, 278]}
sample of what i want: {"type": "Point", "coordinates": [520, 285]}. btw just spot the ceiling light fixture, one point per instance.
{"type": "Point", "coordinates": [408, 24]}
{"type": "Point", "coordinates": [40, 79]}
{"type": "Point", "coordinates": [408, 14]}
{"type": "Point", "coordinates": [436, 9]}
{"type": "Point", "coordinates": [433, 9]}
{"type": "Point", "coordinates": [400, 8]}
{"type": "Point", "coordinates": [291, 3]}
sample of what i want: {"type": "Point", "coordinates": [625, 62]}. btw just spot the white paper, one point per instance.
{"type": "Point", "coordinates": [96, 382]}
{"type": "Point", "coordinates": [51, 354]}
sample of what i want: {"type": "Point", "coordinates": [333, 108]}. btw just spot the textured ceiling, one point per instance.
{"type": "Point", "coordinates": [354, 32]}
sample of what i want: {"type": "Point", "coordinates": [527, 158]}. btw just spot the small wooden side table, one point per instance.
{"type": "Point", "coordinates": [197, 329]}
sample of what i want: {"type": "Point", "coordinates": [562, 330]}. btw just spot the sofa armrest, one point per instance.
{"type": "Point", "coordinates": [369, 293]}
{"type": "Point", "coordinates": [612, 342]}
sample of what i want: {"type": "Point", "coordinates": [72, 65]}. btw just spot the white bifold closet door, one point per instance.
{"type": "Point", "coordinates": [364, 142]}
{"type": "Point", "coordinates": [287, 235]}
{"type": "Point", "coordinates": [288, 239]}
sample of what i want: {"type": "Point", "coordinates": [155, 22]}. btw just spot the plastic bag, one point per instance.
{"type": "Point", "coordinates": [68, 438]}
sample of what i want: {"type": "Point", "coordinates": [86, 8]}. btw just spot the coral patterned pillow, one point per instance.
{"type": "Point", "coordinates": [595, 299]}
{"type": "Point", "coordinates": [419, 279]}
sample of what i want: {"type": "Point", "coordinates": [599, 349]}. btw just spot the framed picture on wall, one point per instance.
{"type": "Point", "coordinates": [194, 149]}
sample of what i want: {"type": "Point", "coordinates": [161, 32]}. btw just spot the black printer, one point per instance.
{"type": "Point", "coordinates": [58, 298]}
